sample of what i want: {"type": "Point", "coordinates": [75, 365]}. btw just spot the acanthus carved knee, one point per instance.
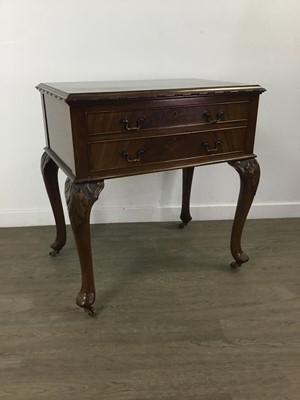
{"type": "Point", "coordinates": [80, 197]}
{"type": "Point", "coordinates": [249, 172]}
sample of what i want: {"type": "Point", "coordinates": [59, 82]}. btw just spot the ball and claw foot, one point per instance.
{"type": "Point", "coordinates": [90, 311]}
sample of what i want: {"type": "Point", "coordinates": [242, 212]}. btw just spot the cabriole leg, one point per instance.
{"type": "Point", "coordinates": [187, 178]}
{"type": "Point", "coordinates": [50, 171]}
{"type": "Point", "coordinates": [80, 199]}
{"type": "Point", "coordinates": [249, 172]}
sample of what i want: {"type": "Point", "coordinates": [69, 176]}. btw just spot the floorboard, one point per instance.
{"type": "Point", "coordinates": [173, 321]}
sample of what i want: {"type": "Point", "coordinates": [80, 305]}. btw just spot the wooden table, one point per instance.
{"type": "Point", "coordinates": [102, 130]}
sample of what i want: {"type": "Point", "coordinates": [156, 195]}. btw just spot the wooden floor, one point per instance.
{"type": "Point", "coordinates": [174, 322]}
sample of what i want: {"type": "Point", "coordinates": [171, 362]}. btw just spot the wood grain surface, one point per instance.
{"type": "Point", "coordinates": [173, 321]}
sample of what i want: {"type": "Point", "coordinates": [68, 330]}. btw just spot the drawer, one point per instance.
{"type": "Point", "coordinates": [119, 154]}
{"type": "Point", "coordinates": [145, 119]}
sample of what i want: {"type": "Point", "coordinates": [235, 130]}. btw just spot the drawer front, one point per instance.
{"type": "Point", "coordinates": [119, 154]}
{"type": "Point", "coordinates": [145, 119]}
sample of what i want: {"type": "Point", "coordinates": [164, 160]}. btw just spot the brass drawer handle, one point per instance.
{"type": "Point", "coordinates": [207, 117]}
{"type": "Point", "coordinates": [209, 149]}
{"type": "Point", "coordinates": [139, 154]}
{"type": "Point", "coordinates": [139, 123]}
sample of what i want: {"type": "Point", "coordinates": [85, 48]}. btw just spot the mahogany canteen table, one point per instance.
{"type": "Point", "coordinates": [103, 130]}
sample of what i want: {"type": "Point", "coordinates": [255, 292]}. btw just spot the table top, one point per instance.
{"type": "Point", "coordinates": [76, 91]}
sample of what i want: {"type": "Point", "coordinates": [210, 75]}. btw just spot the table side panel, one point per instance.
{"type": "Point", "coordinates": [45, 120]}
{"type": "Point", "coordinates": [57, 114]}
{"type": "Point", "coordinates": [250, 136]}
{"type": "Point", "coordinates": [80, 142]}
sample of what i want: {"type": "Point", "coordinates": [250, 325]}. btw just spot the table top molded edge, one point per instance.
{"type": "Point", "coordinates": [209, 87]}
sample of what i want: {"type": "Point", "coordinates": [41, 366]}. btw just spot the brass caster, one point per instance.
{"type": "Point", "coordinates": [90, 311]}
{"type": "Point", "coordinates": [235, 265]}
{"type": "Point", "coordinates": [53, 253]}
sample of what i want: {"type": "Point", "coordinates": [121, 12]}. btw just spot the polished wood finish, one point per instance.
{"type": "Point", "coordinates": [177, 113]}
{"type": "Point", "coordinates": [80, 199]}
{"type": "Point", "coordinates": [105, 158]}
{"type": "Point", "coordinates": [102, 130]}
{"type": "Point", "coordinates": [95, 91]}
{"type": "Point", "coordinates": [50, 171]}
{"type": "Point", "coordinates": [180, 114]}
{"type": "Point", "coordinates": [249, 172]}
{"type": "Point", "coordinates": [187, 178]}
